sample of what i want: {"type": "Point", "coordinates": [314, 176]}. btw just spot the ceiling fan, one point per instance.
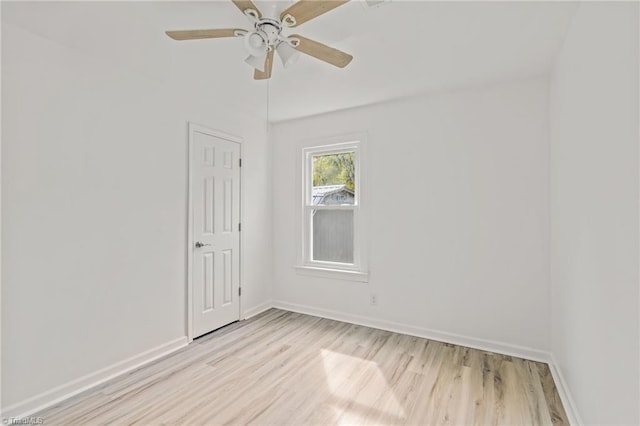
{"type": "Point", "coordinates": [267, 35]}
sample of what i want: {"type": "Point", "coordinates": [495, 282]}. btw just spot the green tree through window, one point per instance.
{"type": "Point", "coordinates": [334, 169]}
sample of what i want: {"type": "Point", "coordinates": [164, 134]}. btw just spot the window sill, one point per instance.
{"type": "Point", "coordinates": [338, 274]}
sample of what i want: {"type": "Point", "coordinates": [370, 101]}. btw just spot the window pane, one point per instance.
{"type": "Point", "coordinates": [333, 235]}
{"type": "Point", "coordinates": [333, 179]}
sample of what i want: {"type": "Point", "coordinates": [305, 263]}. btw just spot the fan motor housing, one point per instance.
{"type": "Point", "coordinates": [271, 28]}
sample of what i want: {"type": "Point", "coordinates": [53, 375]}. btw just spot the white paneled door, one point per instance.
{"type": "Point", "coordinates": [215, 198]}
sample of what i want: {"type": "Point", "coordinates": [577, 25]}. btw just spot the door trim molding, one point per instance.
{"type": "Point", "coordinates": [192, 129]}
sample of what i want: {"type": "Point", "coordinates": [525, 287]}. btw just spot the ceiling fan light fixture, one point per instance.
{"type": "Point", "coordinates": [255, 44]}
{"type": "Point", "coordinates": [288, 55]}
{"type": "Point", "coordinates": [256, 62]}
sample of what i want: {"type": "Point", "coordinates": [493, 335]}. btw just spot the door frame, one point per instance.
{"type": "Point", "coordinates": [192, 129]}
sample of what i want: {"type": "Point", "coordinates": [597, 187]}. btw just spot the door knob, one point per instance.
{"type": "Point", "coordinates": [199, 244]}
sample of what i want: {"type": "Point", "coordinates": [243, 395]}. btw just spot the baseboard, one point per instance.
{"type": "Point", "coordinates": [74, 387]}
{"type": "Point", "coordinates": [258, 309]}
{"type": "Point", "coordinates": [442, 336]}
{"type": "Point", "coordinates": [563, 390]}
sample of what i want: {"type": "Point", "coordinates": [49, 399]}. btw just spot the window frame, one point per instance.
{"type": "Point", "coordinates": [356, 271]}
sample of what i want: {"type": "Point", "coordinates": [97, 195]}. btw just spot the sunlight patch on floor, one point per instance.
{"type": "Point", "coordinates": [361, 391]}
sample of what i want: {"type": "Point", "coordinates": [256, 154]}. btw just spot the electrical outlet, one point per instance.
{"type": "Point", "coordinates": [373, 300]}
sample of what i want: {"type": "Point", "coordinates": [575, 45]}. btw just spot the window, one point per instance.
{"type": "Point", "coordinates": [332, 225]}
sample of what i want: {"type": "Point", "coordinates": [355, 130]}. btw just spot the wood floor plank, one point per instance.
{"type": "Point", "coordinates": [558, 415]}
{"type": "Point", "coordinates": [285, 368]}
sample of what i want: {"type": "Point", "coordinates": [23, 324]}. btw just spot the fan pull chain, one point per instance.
{"type": "Point", "coordinates": [267, 107]}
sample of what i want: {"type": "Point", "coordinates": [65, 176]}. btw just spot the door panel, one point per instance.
{"type": "Point", "coordinates": [215, 180]}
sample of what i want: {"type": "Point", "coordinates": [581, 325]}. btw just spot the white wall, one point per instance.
{"type": "Point", "coordinates": [459, 214]}
{"type": "Point", "coordinates": [594, 212]}
{"type": "Point", "coordinates": [1, 315]}
{"type": "Point", "coordinates": [94, 183]}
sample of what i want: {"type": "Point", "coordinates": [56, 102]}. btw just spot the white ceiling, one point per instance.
{"type": "Point", "coordinates": [400, 48]}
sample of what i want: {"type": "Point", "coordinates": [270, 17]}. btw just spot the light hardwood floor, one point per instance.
{"type": "Point", "coordinates": [287, 368]}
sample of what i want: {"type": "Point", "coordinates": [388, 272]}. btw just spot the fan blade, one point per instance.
{"type": "Point", "coordinates": [198, 34]}
{"type": "Point", "coordinates": [306, 10]}
{"type": "Point", "coordinates": [268, 65]}
{"type": "Point", "coordinates": [247, 4]}
{"type": "Point", "coordinates": [322, 52]}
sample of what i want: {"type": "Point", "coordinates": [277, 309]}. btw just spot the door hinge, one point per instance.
{"type": "Point", "coordinates": [240, 162]}
{"type": "Point", "coordinates": [239, 291]}
{"type": "Point", "coordinates": [239, 227]}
